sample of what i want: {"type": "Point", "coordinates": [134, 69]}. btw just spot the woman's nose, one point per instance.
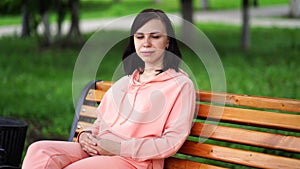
{"type": "Point", "coordinates": [147, 42]}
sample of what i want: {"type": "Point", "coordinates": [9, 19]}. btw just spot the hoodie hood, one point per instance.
{"type": "Point", "coordinates": [164, 76]}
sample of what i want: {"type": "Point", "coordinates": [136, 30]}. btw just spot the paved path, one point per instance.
{"type": "Point", "coordinates": [274, 16]}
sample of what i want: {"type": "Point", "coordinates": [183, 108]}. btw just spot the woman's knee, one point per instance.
{"type": "Point", "coordinates": [37, 146]}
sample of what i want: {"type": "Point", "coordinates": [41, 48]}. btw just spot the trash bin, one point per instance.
{"type": "Point", "coordinates": [12, 139]}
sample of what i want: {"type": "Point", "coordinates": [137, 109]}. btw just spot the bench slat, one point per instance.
{"type": "Point", "coordinates": [249, 137]}
{"type": "Point", "coordinates": [175, 163]}
{"type": "Point", "coordinates": [80, 126]}
{"type": "Point", "coordinates": [95, 95]}
{"type": "Point", "coordinates": [103, 85]}
{"type": "Point", "coordinates": [88, 111]}
{"type": "Point", "coordinates": [83, 125]}
{"type": "Point", "coordinates": [283, 104]}
{"type": "Point", "coordinates": [237, 156]}
{"type": "Point", "coordinates": [254, 117]}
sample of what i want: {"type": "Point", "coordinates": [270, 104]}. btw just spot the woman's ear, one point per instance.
{"type": "Point", "coordinates": [167, 46]}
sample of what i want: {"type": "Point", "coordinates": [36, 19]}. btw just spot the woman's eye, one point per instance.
{"type": "Point", "coordinates": [139, 37]}
{"type": "Point", "coordinates": [155, 36]}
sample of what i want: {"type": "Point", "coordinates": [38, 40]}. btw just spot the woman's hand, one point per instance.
{"type": "Point", "coordinates": [94, 146]}
{"type": "Point", "coordinates": [87, 144]}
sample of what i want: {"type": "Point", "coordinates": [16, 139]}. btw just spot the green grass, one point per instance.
{"type": "Point", "coordinates": [36, 85]}
{"type": "Point", "coordinates": [269, 68]}
{"type": "Point", "coordinates": [94, 9]}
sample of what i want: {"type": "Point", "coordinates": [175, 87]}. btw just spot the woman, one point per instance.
{"type": "Point", "coordinates": [143, 118]}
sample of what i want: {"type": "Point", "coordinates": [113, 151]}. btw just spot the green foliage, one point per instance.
{"type": "Point", "coordinates": [10, 6]}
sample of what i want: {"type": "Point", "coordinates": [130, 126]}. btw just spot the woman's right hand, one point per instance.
{"type": "Point", "coordinates": [87, 143]}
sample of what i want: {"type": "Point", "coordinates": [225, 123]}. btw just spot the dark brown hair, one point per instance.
{"type": "Point", "coordinates": [172, 57]}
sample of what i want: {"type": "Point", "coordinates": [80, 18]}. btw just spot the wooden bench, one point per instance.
{"type": "Point", "coordinates": [248, 132]}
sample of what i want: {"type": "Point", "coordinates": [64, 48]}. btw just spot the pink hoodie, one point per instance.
{"type": "Point", "coordinates": [151, 120]}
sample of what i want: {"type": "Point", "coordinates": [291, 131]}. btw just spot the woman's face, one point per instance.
{"type": "Point", "coordinates": [150, 42]}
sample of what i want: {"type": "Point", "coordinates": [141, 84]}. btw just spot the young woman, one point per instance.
{"type": "Point", "coordinates": [143, 118]}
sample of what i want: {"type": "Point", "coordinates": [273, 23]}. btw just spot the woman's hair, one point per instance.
{"type": "Point", "coordinates": [172, 58]}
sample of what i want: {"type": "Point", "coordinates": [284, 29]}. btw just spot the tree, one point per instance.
{"type": "Point", "coordinates": [44, 9]}
{"type": "Point", "coordinates": [255, 3]}
{"type": "Point", "coordinates": [26, 30]}
{"type": "Point", "coordinates": [295, 8]}
{"type": "Point", "coordinates": [61, 10]}
{"type": "Point", "coordinates": [187, 15]}
{"type": "Point", "coordinates": [35, 12]}
{"type": "Point", "coordinates": [245, 38]}
{"type": "Point", "coordinates": [204, 4]}
{"type": "Point", "coordinates": [29, 19]}
{"type": "Point", "coordinates": [74, 32]}
{"type": "Point", "coordinates": [187, 10]}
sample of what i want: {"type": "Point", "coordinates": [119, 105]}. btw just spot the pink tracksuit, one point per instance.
{"type": "Point", "coordinates": [151, 120]}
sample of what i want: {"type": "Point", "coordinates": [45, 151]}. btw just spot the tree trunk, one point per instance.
{"type": "Point", "coordinates": [47, 30]}
{"type": "Point", "coordinates": [187, 31]}
{"type": "Point", "coordinates": [61, 13]}
{"type": "Point", "coordinates": [43, 8]}
{"type": "Point", "coordinates": [25, 32]}
{"type": "Point", "coordinates": [255, 3]}
{"type": "Point", "coordinates": [245, 40]}
{"type": "Point", "coordinates": [295, 8]}
{"type": "Point", "coordinates": [205, 4]}
{"type": "Point", "coordinates": [74, 32]}
{"type": "Point", "coordinates": [187, 10]}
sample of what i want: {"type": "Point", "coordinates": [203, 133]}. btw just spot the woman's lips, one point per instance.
{"type": "Point", "coordinates": [147, 53]}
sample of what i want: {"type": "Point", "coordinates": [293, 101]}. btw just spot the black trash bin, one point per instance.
{"type": "Point", "coordinates": [12, 139]}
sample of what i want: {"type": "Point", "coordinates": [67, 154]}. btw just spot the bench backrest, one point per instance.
{"type": "Point", "coordinates": [248, 131]}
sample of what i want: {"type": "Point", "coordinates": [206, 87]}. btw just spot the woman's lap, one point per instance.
{"type": "Point", "coordinates": [68, 155]}
{"type": "Point", "coordinates": [101, 162]}
{"type": "Point", "coordinates": [52, 154]}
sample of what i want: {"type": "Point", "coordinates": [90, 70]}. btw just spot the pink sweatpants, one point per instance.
{"type": "Point", "coordinates": [68, 155]}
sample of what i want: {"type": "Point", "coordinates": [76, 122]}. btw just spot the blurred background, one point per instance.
{"type": "Point", "coordinates": [258, 42]}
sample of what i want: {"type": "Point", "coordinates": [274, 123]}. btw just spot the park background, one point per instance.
{"type": "Point", "coordinates": [36, 85]}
